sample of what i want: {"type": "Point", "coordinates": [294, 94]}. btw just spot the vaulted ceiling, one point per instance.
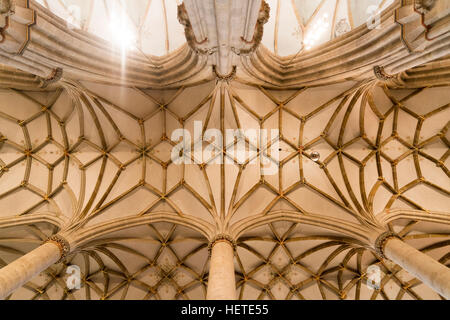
{"type": "Point", "coordinates": [93, 154]}
{"type": "Point", "coordinates": [300, 25]}
{"type": "Point", "coordinates": [101, 154]}
{"type": "Point", "coordinates": [152, 26]}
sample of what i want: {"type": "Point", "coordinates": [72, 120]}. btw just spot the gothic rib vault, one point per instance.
{"type": "Point", "coordinates": [87, 155]}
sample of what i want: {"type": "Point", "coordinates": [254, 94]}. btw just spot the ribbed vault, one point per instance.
{"type": "Point", "coordinates": [297, 26]}
{"type": "Point", "coordinates": [290, 261]}
{"type": "Point", "coordinates": [96, 160]}
{"type": "Point", "coordinates": [155, 261]}
{"type": "Point", "coordinates": [150, 27]}
{"type": "Point", "coordinates": [277, 261]}
{"type": "Point", "coordinates": [293, 26]}
{"type": "Point", "coordinates": [167, 170]}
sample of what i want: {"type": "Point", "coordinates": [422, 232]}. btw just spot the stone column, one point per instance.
{"type": "Point", "coordinates": [418, 264]}
{"type": "Point", "coordinates": [221, 280]}
{"type": "Point", "coordinates": [22, 270]}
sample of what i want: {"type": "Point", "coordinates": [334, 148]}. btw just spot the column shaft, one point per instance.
{"type": "Point", "coordinates": [22, 270]}
{"type": "Point", "coordinates": [221, 280]}
{"type": "Point", "coordinates": [429, 271]}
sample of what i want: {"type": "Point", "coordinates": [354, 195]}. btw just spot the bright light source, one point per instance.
{"type": "Point", "coordinates": [316, 31]}
{"type": "Point", "coordinates": [121, 33]}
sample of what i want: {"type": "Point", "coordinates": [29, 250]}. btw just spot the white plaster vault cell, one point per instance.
{"type": "Point", "coordinates": [144, 25]}
{"type": "Point", "coordinates": [299, 25]}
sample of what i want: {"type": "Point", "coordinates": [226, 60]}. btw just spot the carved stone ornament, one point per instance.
{"type": "Point", "coordinates": [263, 18]}
{"type": "Point", "coordinates": [62, 244]}
{"type": "Point", "coordinates": [54, 77]}
{"type": "Point", "coordinates": [191, 40]}
{"type": "Point", "coordinates": [228, 77]}
{"type": "Point", "coordinates": [6, 7]}
{"type": "Point", "coordinates": [381, 74]}
{"type": "Point", "coordinates": [246, 48]}
{"type": "Point", "coordinates": [221, 237]}
{"type": "Point", "coordinates": [380, 242]}
{"type": "Point", "coordinates": [424, 6]}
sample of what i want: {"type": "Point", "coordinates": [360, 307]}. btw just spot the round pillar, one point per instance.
{"type": "Point", "coordinates": [22, 270]}
{"type": "Point", "coordinates": [422, 266]}
{"type": "Point", "coordinates": [221, 280]}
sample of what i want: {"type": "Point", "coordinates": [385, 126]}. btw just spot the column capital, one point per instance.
{"type": "Point", "coordinates": [61, 243]}
{"type": "Point", "coordinates": [391, 79]}
{"type": "Point", "coordinates": [381, 74]}
{"type": "Point", "coordinates": [381, 240]}
{"type": "Point", "coordinates": [55, 76]}
{"type": "Point", "coordinates": [221, 238]}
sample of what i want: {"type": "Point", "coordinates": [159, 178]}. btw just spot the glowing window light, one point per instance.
{"type": "Point", "coordinates": [316, 31]}
{"type": "Point", "coordinates": [74, 17]}
{"type": "Point", "coordinates": [121, 33]}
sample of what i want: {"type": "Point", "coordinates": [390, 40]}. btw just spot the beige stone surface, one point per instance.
{"type": "Point", "coordinates": [221, 282]}
{"type": "Point", "coordinates": [17, 273]}
{"type": "Point", "coordinates": [422, 266]}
